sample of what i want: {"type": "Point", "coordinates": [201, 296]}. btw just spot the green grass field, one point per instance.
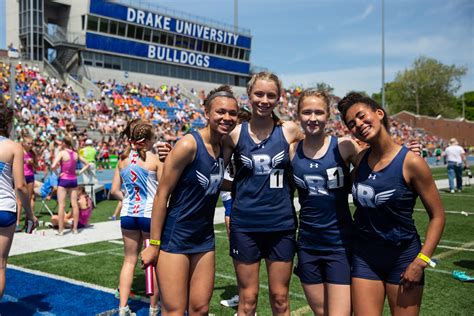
{"type": "Point", "coordinates": [443, 294]}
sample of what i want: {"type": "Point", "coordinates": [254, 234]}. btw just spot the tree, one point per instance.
{"type": "Point", "coordinates": [322, 86]}
{"type": "Point", "coordinates": [428, 88]}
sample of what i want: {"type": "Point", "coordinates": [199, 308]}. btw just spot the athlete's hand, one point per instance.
{"type": "Point", "coordinates": [415, 146]}
{"type": "Point", "coordinates": [163, 150]}
{"type": "Point", "coordinates": [413, 274]}
{"type": "Point", "coordinates": [149, 255]}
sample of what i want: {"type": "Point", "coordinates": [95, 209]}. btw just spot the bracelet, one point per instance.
{"type": "Point", "coordinates": [155, 242]}
{"type": "Point", "coordinates": [426, 259]}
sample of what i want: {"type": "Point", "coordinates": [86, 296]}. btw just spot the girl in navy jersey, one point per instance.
{"type": "Point", "coordinates": [11, 175]}
{"type": "Point", "coordinates": [138, 171]}
{"type": "Point", "coordinates": [182, 233]}
{"type": "Point", "coordinates": [263, 223]}
{"type": "Point", "coordinates": [320, 166]}
{"type": "Point", "coordinates": [388, 258]}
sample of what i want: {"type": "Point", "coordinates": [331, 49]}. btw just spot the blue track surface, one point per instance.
{"type": "Point", "coordinates": [28, 294]}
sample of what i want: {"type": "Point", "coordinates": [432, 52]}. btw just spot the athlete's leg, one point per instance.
{"type": "Point", "coordinates": [338, 299]}
{"type": "Point", "coordinates": [62, 193]}
{"type": "Point", "coordinates": [315, 295]}
{"type": "Point", "coordinates": [6, 238]}
{"type": "Point", "coordinates": [31, 194]}
{"type": "Point", "coordinates": [368, 297]}
{"type": "Point", "coordinates": [131, 247]}
{"type": "Point", "coordinates": [156, 295]}
{"type": "Point", "coordinates": [173, 276]}
{"type": "Point", "coordinates": [404, 302]}
{"type": "Point", "coordinates": [248, 282]}
{"type": "Point", "coordinates": [201, 282]}
{"type": "Point", "coordinates": [279, 275]}
{"type": "Point", "coordinates": [75, 208]}
{"type": "Point", "coordinates": [19, 208]}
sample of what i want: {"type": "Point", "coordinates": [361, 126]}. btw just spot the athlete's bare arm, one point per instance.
{"type": "Point", "coordinates": [181, 156]}
{"type": "Point", "coordinates": [418, 176]}
{"type": "Point", "coordinates": [292, 132]}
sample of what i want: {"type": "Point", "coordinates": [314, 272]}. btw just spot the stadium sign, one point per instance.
{"type": "Point", "coordinates": [166, 23]}
{"type": "Point", "coordinates": [162, 53]}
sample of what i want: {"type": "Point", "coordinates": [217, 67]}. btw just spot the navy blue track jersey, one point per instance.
{"type": "Point", "coordinates": [323, 189]}
{"type": "Point", "coordinates": [263, 201]}
{"type": "Point", "coordinates": [189, 225]}
{"type": "Point", "coordinates": [384, 202]}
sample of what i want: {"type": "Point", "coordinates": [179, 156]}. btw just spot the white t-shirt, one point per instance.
{"type": "Point", "coordinates": [454, 153]}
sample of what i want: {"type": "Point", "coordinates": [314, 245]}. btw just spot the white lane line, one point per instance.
{"type": "Point", "coordinates": [71, 252]}
{"type": "Point", "coordinates": [454, 250]}
{"type": "Point", "coordinates": [67, 258]}
{"type": "Point", "coordinates": [301, 311]}
{"type": "Point", "coordinates": [118, 242]}
{"type": "Point", "coordinates": [465, 213]}
{"type": "Point", "coordinates": [457, 248]}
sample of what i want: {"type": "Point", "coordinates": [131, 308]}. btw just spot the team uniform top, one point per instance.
{"type": "Point", "coordinates": [384, 202]}
{"type": "Point", "coordinates": [140, 187]}
{"type": "Point", "coordinates": [189, 222]}
{"type": "Point", "coordinates": [27, 168]}
{"type": "Point", "coordinates": [68, 168]}
{"type": "Point", "coordinates": [262, 200]}
{"type": "Point", "coordinates": [7, 193]}
{"type": "Point", "coordinates": [325, 218]}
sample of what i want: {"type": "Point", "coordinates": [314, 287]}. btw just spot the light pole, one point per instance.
{"type": "Point", "coordinates": [383, 54]}
{"type": "Point", "coordinates": [236, 15]}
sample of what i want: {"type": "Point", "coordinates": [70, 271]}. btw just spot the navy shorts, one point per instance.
{"type": "Point", "coordinates": [324, 266]}
{"type": "Point", "coordinates": [135, 223]}
{"type": "Point", "coordinates": [30, 179]}
{"type": "Point", "coordinates": [384, 262]}
{"type": "Point", "coordinates": [7, 218]}
{"type": "Point", "coordinates": [67, 183]}
{"type": "Point", "coordinates": [251, 247]}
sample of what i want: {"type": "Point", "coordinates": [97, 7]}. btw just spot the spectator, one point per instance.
{"type": "Point", "coordinates": [455, 156]}
{"type": "Point", "coordinates": [89, 153]}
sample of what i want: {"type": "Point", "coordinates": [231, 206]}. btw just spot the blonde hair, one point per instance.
{"type": "Point", "coordinates": [316, 94]}
{"type": "Point", "coordinates": [268, 76]}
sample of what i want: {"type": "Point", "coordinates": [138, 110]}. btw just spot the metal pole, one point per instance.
{"type": "Point", "coordinates": [463, 108]}
{"type": "Point", "coordinates": [12, 85]}
{"type": "Point", "coordinates": [31, 30]}
{"type": "Point", "coordinates": [236, 15]}
{"type": "Point", "coordinates": [383, 54]}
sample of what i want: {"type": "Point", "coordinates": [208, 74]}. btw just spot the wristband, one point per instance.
{"type": "Point", "coordinates": [427, 259]}
{"type": "Point", "coordinates": [155, 242]}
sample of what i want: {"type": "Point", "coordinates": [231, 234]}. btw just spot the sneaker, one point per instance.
{"type": "Point", "coordinates": [59, 233]}
{"type": "Point", "coordinates": [131, 295]}
{"type": "Point", "coordinates": [126, 311]}
{"type": "Point", "coordinates": [154, 311]}
{"type": "Point", "coordinates": [452, 191]}
{"type": "Point", "coordinates": [232, 302]}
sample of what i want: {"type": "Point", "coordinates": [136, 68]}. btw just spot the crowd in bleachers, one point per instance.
{"type": "Point", "coordinates": [49, 110]}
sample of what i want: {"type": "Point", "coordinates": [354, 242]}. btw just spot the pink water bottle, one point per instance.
{"type": "Point", "coordinates": [149, 287]}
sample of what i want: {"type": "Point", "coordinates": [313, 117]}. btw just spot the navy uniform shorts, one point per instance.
{"type": "Point", "coordinates": [324, 266]}
{"type": "Point", "coordinates": [135, 223]}
{"type": "Point", "coordinates": [384, 262]}
{"type": "Point", "coordinates": [251, 247]}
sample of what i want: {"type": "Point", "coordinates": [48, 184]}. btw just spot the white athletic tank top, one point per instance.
{"type": "Point", "coordinates": [7, 193]}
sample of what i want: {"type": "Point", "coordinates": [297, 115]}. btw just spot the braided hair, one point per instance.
{"type": "Point", "coordinates": [140, 133]}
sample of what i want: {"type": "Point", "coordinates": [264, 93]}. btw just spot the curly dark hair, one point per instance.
{"type": "Point", "coordinates": [6, 117]}
{"type": "Point", "coordinates": [353, 98]}
{"type": "Point", "coordinates": [225, 91]}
